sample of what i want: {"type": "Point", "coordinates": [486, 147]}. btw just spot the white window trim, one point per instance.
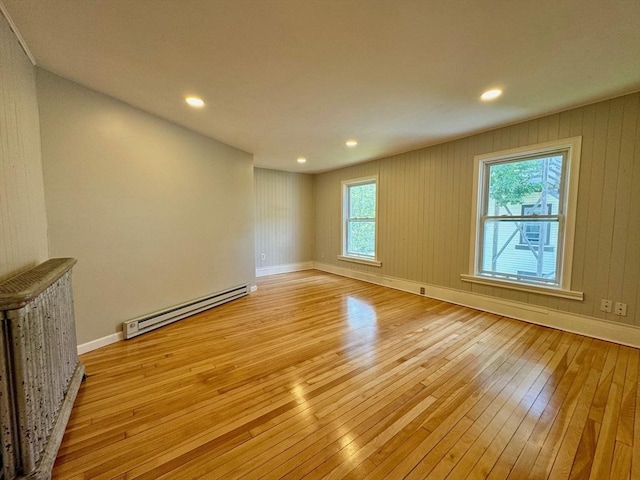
{"type": "Point", "coordinates": [343, 221]}
{"type": "Point", "coordinates": [360, 260]}
{"type": "Point", "coordinates": [572, 171]}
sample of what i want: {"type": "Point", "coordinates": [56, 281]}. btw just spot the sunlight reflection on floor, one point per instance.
{"type": "Point", "coordinates": [362, 321]}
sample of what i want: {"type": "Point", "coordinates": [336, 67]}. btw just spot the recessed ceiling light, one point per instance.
{"type": "Point", "coordinates": [302, 160]}
{"type": "Point", "coordinates": [351, 143]}
{"type": "Point", "coordinates": [491, 94]}
{"type": "Point", "coordinates": [194, 102]}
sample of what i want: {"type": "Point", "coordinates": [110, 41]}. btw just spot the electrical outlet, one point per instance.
{"type": "Point", "coordinates": [605, 306]}
{"type": "Point", "coordinates": [263, 257]}
{"type": "Point", "coordinates": [620, 309]}
{"type": "Point", "coordinates": [421, 290]}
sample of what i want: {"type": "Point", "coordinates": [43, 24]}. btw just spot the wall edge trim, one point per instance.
{"type": "Point", "coordinates": [627, 335]}
{"type": "Point", "coordinates": [284, 268]}
{"type": "Point", "coordinates": [16, 32]}
{"type": "Point", "coordinates": [100, 342]}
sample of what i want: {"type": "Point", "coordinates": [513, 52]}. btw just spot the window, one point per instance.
{"type": "Point", "coordinates": [359, 227]}
{"type": "Point", "coordinates": [530, 234]}
{"type": "Point", "coordinates": [524, 217]}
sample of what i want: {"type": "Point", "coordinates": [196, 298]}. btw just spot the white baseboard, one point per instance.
{"type": "Point", "coordinates": [622, 334]}
{"type": "Point", "coordinates": [114, 337]}
{"type": "Point", "coordinates": [100, 342]}
{"type": "Point", "coordinates": [286, 268]}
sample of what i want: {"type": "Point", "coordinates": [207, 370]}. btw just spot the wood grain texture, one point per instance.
{"type": "Point", "coordinates": [424, 211]}
{"type": "Point", "coordinates": [319, 376]}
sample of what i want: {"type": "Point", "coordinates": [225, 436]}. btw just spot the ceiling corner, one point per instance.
{"type": "Point", "coordinates": [15, 30]}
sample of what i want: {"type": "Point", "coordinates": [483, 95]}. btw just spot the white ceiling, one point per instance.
{"type": "Point", "coordinates": [291, 78]}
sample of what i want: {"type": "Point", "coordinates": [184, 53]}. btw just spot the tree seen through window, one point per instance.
{"type": "Point", "coordinates": [361, 221]}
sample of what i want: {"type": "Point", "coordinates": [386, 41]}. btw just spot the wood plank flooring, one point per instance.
{"type": "Point", "coordinates": [319, 376]}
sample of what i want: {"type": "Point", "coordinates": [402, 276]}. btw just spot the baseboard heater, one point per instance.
{"type": "Point", "coordinates": [146, 323]}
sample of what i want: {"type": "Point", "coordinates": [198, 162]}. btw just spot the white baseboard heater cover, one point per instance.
{"type": "Point", "coordinates": [146, 323]}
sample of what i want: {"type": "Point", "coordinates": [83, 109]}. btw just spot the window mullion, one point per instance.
{"type": "Point", "coordinates": [519, 218]}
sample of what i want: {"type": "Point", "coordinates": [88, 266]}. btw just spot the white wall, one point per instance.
{"type": "Point", "coordinates": [155, 214]}
{"type": "Point", "coordinates": [23, 225]}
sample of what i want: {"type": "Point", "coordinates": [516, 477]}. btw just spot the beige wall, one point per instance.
{"type": "Point", "coordinates": [155, 214]}
{"type": "Point", "coordinates": [158, 215]}
{"type": "Point", "coordinates": [23, 225]}
{"type": "Point", "coordinates": [425, 208]}
{"type": "Point", "coordinates": [284, 217]}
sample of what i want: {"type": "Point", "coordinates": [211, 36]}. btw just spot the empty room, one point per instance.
{"type": "Point", "coordinates": [287, 239]}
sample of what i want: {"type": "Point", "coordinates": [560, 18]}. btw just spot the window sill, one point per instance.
{"type": "Point", "coordinates": [523, 287]}
{"type": "Point", "coordinates": [363, 261]}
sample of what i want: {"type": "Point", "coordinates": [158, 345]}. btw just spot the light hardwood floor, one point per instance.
{"type": "Point", "coordinates": [318, 376]}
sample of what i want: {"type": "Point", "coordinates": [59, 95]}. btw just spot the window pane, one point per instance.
{"type": "Point", "coordinates": [362, 201]}
{"type": "Point", "coordinates": [506, 251]}
{"type": "Point", "coordinates": [532, 230]}
{"type": "Point", "coordinates": [361, 238]}
{"type": "Point", "coordinates": [533, 183]}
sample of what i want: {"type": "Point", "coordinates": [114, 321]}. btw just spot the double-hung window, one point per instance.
{"type": "Point", "coordinates": [359, 220]}
{"type": "Point", "coordinates": [524, 217]}
{"type": "Point", "coordinates": [532, 231]}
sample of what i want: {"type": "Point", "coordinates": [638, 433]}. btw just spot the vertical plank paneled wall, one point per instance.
{"type": "Point", "coordinates": [23, 222]}
{"type": "Point", "coordinates": [284, 218]}
{"type": "Point", "coordinates": [424, 209]}
{"type": "Point", "coordinates": [40, 373]}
